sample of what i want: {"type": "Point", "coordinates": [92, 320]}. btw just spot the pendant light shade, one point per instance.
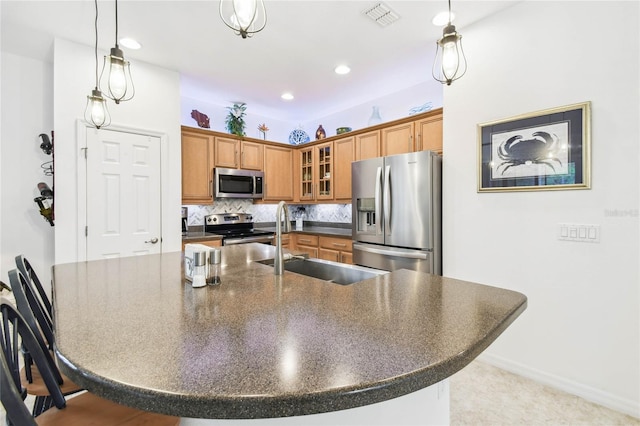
{"type": "Point", "coordinates": [115, 79]}
{"type": "Point", "coordinates": [245, 17]}
{"type": "Point", "coordinates": [96, 112]}
{"type": "Point", "coordinates": [450, 63]}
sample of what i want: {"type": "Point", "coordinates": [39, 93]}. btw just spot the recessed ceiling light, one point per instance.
{"type": "Point", "coordinates": [130, 43]}
{"type": "Point", "coordinates": [287, 96]}
{"type": "Point", "coordinates": [342, 69]}
{"type": "Point", "coordinates": [442, 18]}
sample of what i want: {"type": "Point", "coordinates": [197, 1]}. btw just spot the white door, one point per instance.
{"type": "Point", "coordinates": [123, 194]}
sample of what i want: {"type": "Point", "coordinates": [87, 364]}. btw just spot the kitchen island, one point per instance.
{"type": "Point", "coordinates": [262, 346]}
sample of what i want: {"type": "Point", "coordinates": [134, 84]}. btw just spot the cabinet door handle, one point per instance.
{"type": "Point", "coordinates": [410, 140]}
{"type": "Point", "coordinates": [339, 244]}
{"type": "Point", "coordinates": [211, 188]}
{"type": "Point", "coordinates": [304, 240]}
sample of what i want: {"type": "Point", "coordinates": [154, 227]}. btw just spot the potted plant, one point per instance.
{"type": "Point", "coordinates": [235, 119]}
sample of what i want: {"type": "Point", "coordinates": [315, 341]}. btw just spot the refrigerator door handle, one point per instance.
{"type": "Point", "coordinates": [390, 252]}
{"type": "Point", "coordinates": [387, 200]}
{"type": "Point", "coordinates": [378, 217]}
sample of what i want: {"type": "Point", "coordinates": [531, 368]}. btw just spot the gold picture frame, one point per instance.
{"type": "Point", "coordinates": [541, 150]}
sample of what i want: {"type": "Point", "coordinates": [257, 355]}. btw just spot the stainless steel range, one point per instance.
{"type": "Point", "coordinates": [236, 228]}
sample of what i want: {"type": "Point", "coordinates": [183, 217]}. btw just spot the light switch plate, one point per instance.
{"type": "Point", "coordinates": [579, 232]}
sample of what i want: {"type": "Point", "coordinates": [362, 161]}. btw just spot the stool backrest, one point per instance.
{"type": "Point", "coordinates": [14, 332]}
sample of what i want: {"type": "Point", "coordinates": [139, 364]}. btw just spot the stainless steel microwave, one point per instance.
{"type": "Point", "coordinates": [237, 183]}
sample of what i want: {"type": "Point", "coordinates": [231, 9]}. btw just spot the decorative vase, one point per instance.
{"type": "Point", "coordinates": [320, 133]}
{"type": "Point", "coordinates": [375, 117]}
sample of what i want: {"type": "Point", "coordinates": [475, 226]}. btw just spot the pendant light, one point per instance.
{"type": "Point", "coordinates": [96, 112]}
{"type": "Point", "coordinates": [245, 17]}
{"type": "Point", "coordinates": [450, 63]}
{"type": "Point", "coordinates": [116, 83]}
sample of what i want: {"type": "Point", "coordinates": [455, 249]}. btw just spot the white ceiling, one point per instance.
{"type": "Point", "coordinates": [297, 51]}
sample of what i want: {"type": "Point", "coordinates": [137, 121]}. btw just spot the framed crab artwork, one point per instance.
{"type": "Point", "coordinates": [542, 150]}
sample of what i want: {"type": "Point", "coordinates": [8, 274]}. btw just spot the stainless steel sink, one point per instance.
{"type": "Point", "coordinates": [339, 273]}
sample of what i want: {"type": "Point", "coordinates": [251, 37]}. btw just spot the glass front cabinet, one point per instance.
{"type": "Point", "coordinates": [315, 172]}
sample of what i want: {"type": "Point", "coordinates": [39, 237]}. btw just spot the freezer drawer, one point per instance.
{"type": "Point", "coordinates": [392, 258]}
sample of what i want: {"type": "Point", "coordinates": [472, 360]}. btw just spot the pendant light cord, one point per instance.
{"type": "Point", "coordinates": [117, 23]}
{"type": "Point", "coordinates": [449, 12]}
{"type": "Point", "coordinates": [96, 46]}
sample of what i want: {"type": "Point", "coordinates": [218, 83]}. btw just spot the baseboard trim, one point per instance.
{"type": "Point", "coordinates": [589, 393]}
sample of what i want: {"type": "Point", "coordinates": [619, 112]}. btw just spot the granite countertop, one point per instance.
{"type": "Point", "coordinates": [259, 345]}
{"type": "Point", "coordinates": [316, 228]}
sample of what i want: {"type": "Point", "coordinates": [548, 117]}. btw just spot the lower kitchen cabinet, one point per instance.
{"type": "Point", "coordinates": [286, 241]}
{"type": "Point", "coordinates": [208, 243]}
{"type": "Point", "coordinates": [306, 243]}
{"type": "Point", "coordinates": [336, 249]}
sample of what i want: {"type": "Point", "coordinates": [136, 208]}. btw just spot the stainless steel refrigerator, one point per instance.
{"type": "Point", "coordinates": [397, 212]}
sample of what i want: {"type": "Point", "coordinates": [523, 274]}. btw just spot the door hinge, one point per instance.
{"type": "Point", "coordinates": [85, 152]}
{"type": "Point", "coordinates": [86, 231]}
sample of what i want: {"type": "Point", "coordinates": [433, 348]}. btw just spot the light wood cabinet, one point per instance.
{"type": "Point", "coordinates": [397, 139]}
{"type": "Point", "coordinates": [343, 157]}
{"type": "Point", "coordinates": [315, 174]}
{"type": "Point", "coordinates": [197, 167]}
{"type": "Point", "coordinates": [237, 154]}
{"type": "Point", "coordinates": [209, 243]}
{"type": "Point", "coordinates": [306, 243]}
{"type": "Point", "coordinates": [278, 173]}
{"type": "Point", "coordinates": [286, 241]}
{"type": "Point", "coordinates": [337, 249]}
{"type": "Point", "coordinates": [428, 134]}
{"type": "Point", "coordinates": [367, 145]}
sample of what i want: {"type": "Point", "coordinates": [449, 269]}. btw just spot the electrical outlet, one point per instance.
{"type": "Point", "coordinates": [579, 232]}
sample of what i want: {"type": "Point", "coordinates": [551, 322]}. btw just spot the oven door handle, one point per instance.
{"type": "Point", "coordinates": [259, 239]}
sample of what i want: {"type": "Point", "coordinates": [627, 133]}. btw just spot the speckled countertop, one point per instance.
{"type": "Point", "coordinates": [316, 230]}
{"type": "Point", "coordinates": [133, 330]}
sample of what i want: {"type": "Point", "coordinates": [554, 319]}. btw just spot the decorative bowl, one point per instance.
{"type": "Point", "coordinates": [341, 130]}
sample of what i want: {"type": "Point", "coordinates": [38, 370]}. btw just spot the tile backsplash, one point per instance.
{"type": "Point", "coordinates": [335, 213]}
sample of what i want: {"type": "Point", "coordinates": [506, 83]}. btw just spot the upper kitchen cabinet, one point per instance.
{"type": "Point", "coordinates": [344, 156]}
{"type": "Point", "coordinates": [278, 173]}
{"type": "Point", "coordinates": [397, 139]}
{"type": "Point", "coordinates": [197, 166]}
{"type": "Point", "coordinates": [316, 164]}
{"type": "Point", "coordinates": [237, 154]}
{"type": "Point", "coordinates": [428, 133]}
{"type": "Point", "coordinates": [367, 145]}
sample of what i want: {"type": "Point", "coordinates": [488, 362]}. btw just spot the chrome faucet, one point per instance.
{"type": "Point", "coordinates": [278, 262]}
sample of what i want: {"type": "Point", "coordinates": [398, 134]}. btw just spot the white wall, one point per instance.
{"type": "Point", "coordinates": [278, 129]}
{"type": "Point", "coordinates": [155, 107]}
{"type": "Point", "coordinates": [392, 107]}
{"type": "Point", "coordinates": [27, 111]}
{"type": "Point", "coordinates": [581, 329]}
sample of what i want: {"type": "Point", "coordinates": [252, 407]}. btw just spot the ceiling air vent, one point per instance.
{"type": "Point", "coordinates": [382, 14]}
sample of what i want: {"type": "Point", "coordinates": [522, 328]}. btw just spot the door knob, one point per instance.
{"type": "Point", "coordinates": [152, 241]}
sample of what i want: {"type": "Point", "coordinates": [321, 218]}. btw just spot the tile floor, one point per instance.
{"type": "Point", "coordinates": [483, 395]}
